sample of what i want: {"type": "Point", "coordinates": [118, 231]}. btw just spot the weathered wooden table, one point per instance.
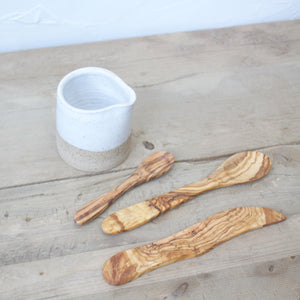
{"type": "Point", "coordinates": [203, 96]}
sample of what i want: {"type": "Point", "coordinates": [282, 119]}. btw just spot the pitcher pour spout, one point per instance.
{"type": "Point", "coordinates": [93, 119]}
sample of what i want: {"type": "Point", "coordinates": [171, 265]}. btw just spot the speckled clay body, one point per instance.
{"type": "Point", "coordinates": [93, 119]}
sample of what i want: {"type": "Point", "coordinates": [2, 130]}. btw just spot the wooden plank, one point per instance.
{"type": "Point", "coordinates": [207, 83]}
{"type": "Point", "coordinates": [79, 275]}
{"type": "Point", "coordinates": [37, 220]}
{"type": "Point", "coordinates": [202, 96]}
{"type": "Point", "coordinates": [276, 279]}
{"type": "Point", "coordinates": [54, 61]}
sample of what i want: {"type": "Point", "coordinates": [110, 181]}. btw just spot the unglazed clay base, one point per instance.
{"type": "Point", "coordinates": [93, 119]}
{"type": "Point", "coordinates": [91, 161]}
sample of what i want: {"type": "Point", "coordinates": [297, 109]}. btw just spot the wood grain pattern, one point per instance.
{"type": "Point", "coordinates": [152, 167]}
{"type": "Point", "coordinates": [181, 80]}
{"type": "Point", "coordinates": [191, 242]}
{"type": "Point", "coordinates": [202, 95]}
{"type": "Point", "coordinates": [240, 168]}
{"type": "Point", "coordinates": [31, 216]}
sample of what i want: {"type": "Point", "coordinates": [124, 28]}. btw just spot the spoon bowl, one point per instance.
{"type": "Point", "coordinates": [242, 167]}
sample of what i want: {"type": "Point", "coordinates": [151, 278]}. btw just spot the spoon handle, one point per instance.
{"type": "Point", "coordinates": [95, 207]}
{"type": "Point", "coordinates": [191, 242]}
{"type": "Point", "coordinates": [239, 168]}
{"type": "Point", "coordinates": [143, 212]}
{"type": "Point", "coordinates": [152, 167]}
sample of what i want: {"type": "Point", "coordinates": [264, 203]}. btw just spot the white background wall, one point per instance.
{"type": "Point", "coordinates": [26, 24]}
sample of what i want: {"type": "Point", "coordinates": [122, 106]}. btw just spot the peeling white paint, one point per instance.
{"type": "Point", "coordinates": [35, 15]}
{"type": "Point", "coordinates": [41, 23]}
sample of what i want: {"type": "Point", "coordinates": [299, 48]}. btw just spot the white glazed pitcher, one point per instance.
{"type": "Point", "coordinates": [93, 119]}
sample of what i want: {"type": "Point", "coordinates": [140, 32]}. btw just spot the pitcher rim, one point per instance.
{"type": "Point", "coordinates": [94, 70]}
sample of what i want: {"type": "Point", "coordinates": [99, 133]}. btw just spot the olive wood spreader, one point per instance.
{"type": "Point", "coordinates": [152, 167]}
{"type": "Point", "coordinates": [240, 168]}
{"type": "Point", "coordinates": [191, 242]}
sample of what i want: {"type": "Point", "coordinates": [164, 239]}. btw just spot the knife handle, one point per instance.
{"type": "Point", "coordinates": [191, 242]}
{"type": "Point", "coordinates": [145, 211]}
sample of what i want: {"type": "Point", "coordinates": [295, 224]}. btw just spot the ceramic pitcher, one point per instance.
{"type": "Point", "coordinates": [93, 119]}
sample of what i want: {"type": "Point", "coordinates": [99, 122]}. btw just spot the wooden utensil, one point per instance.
{"type": "Point", "coordinates": [152, 167]}
{"type": "Point", "coordinates": [239, 168]}
{"type": "Point", "coordinates": [191, 242]}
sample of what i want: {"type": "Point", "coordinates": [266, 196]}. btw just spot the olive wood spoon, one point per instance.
{"type": "Point", "coordinates": [191, 242]}
{"type": "Point", "coordinates": [242, 167]}
{"type": "Point", "coordinates": [152, 167]}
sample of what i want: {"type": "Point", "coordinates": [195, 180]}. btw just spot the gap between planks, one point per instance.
{"type": "Point", "coordinates": [191, 160]}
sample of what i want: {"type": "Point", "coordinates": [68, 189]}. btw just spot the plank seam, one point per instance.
{"type": "Point", "coordinates": [192, 160]}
